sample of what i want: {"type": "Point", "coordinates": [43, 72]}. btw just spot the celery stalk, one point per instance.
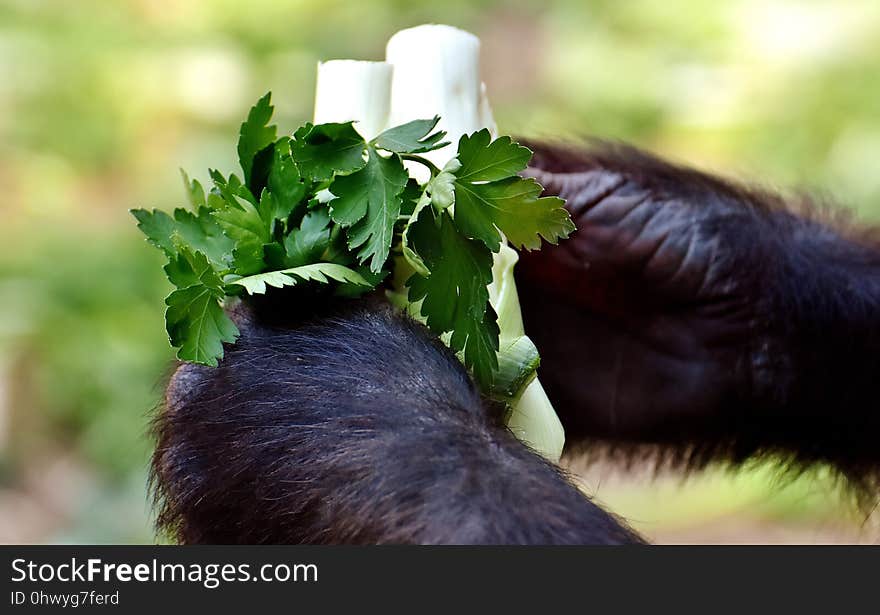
{"type": "Point", "coordinates": [532, 418]}
{"type": "Point", "coordinates": [351, 90]}
{"type": "Point", "coordinates": [434, 70]}
{"type": "Point", "coordinates": [437, 72]}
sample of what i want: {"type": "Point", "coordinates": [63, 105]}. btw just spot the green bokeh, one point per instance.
{"type": "Point", "coordinates": [101, 102]}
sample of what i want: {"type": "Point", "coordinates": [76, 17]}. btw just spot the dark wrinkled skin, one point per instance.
{"type": "Point", "coordinates": [648, 294]}
{"type": "Point", "coordinates": [717, 321]}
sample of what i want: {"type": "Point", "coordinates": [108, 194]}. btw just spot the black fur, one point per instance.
{"type": "Point", "coordinates": [705, 319]}
{"type": "Point", "coordinates": [353, 426]}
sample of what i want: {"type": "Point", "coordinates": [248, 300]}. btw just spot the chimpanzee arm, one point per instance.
{"type": "Point", "coordinates": [712, 319]}
{"type": "Point", "coordinates": [351, 426]}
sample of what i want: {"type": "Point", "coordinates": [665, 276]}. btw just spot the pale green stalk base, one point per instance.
{"type": "Point", "coordinates": [434, 70]}
{"type": "Point", "coordinates": [532, 418]}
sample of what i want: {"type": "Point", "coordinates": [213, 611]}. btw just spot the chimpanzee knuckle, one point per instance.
{"type": "Point", "coordinates": [600, 236]}
{"type": "Point", "coordinates": [187, 379]}
{"type": "Point", "coordinates": [244, 317]}
{"type": "Point", "coordinates": [281, 444]}
{"type": "Point", "coordinates": [676, 231]}
{"type": "Point", "coordinates": [629, 229]}
{"type": "Point", "coordinates": [687, 272]}
{"type": "Point", "coordinates": [663, 258]}
{"type": "Point", "coordinates": [583, 191]}
{"type": "Point", "coordinates": [599, 247]}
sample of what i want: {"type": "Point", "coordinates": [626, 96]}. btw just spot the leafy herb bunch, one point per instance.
{"type": "Point", "coordinates": [330, 207]}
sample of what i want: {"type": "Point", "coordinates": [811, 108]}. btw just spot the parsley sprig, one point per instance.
{"type": "Point", "coordinates": [326, 206]}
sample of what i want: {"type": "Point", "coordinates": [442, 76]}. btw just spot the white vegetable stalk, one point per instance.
{"type": "Point", "coordinates": [351, 90]}
{"type": "Point", "coordinates": [434, 70]}
{"type": "Point", "coordinates": [437, 72]}
{"type": "Point", "coordinates": [532, 419]}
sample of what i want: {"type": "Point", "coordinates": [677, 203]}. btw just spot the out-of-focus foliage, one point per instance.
{"type": "Point", "coordinates": [101, 102]}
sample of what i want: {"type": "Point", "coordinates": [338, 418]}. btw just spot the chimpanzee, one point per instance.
{"type": "Point", "coordinates": [706, 319]}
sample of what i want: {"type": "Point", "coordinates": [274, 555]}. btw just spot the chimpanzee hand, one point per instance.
{"type": "Point", "coordinates": [347, 422]}
{"type": "Point", "coordinates": [646, 317]}
{"type": "Point", "coordinates": [715, 320]}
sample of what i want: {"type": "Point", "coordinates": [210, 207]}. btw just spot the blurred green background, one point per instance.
{"type": "Point", "coordinates": [101, 101]}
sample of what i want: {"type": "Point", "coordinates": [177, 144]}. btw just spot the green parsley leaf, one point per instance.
{"type": "Point", "coordinates": [189, 267]}
{"type": "Point", "coordinates": [318, 272]}
{"type": "Point", "coordinates": [489, 196]}
{"type": "Point", "coordinates": [324, 206]}
{"type": "Point", "coordinates": [326, 150]}
{"type": "Point", "coordinates": [159, 228]}
{"type": "Point", "coordinates": [194, 319]}
{"type": "Point", "coordinates": [411, 194]}
{"type": "Point", "coordinates": [250, 229]}
{"type": "Point", "coordinates": [284, 180]}
{"type": "Point", "coordinates": [415, 261]}
{"type": "Point", "coordinates": [454, 295]}
{"type": "Point", "coordinates": [368, 203]}
{"type": "Point", "coordinates": [337, 250]}
{"type": "Point", "coordinates": [194, 191]}
{"type": "Point", "coordinates": [255, 138]}
{"type": "Point", "coordinates": [412, 137]}
{"type": "Point", "coordinates": [227, 189]}
{"type": "Point", "coordinates": [482, 160]}
{"type": "Point", "coordinates": [511, 205]}
{"type": "Point", "coordinates": [201, 232]}
{"type": "Point", "coordinates": [197, 325]}
{"type": "Point", "coordinates": [303, 245]}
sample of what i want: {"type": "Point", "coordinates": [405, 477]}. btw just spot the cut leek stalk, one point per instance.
{"type": "Point", "coordinates": [434, 70]}
{"type": "Point", "coordinates": [437, 72]}
{"type": "Point", "coordinates": [532, 418]}
{"type": "Point", "coordinates": [351, 90]}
